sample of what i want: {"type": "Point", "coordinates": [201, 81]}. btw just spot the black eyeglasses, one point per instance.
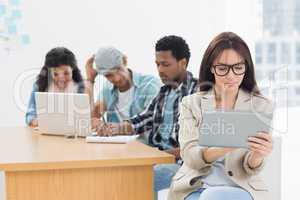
{"type": "Point", "coordinates": [223, 69]}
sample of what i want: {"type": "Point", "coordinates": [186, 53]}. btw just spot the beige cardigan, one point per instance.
{"type": "Point", "coordinates": [188, 177]}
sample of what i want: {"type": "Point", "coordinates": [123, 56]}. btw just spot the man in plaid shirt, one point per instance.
{"type": "Point", "coordinates": [159, 121]}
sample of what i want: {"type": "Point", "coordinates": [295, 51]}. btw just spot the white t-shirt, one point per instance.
{"type": "Point", "coordinates": [123, 104]}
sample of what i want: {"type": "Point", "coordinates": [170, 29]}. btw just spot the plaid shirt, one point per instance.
{"type": "Point", "coordinates": [149, 120]}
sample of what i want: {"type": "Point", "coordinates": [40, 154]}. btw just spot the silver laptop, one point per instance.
{"type": "Point", "coordinates": [232, 128]}
{"type": "Point", "coordinates": [63, 113]}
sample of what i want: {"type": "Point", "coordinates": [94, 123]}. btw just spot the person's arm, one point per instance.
{"type": "Point", "coordinates": [111, 129]}
{"type": "Point", "coordinates": [96, 115]}
{"type": "Point", "coordinates": [139, 124]}
{"type": "Point", "coordinates": [99, 109]}
{"type": "Point", "coordinates": [195, 156]}
{"type": "Point", "coordinates": [89, 89]}
{"type": "Point", "coordinates": [31, 116]}
{"type": "Point", "coordinates": [211, 154]}
{"type": "Point", "coordinates": [190, 151]}
{"type": "Point", "coordinates": [175, 152]}
{"type": "Point", "coordinates": [91, 75]}
{"type": "Point", "coordinates": [260, 146]}
{"type": "Point", "coordinates": [143, 122]}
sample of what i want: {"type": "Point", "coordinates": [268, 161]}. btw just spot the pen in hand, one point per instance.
{"type": "Point", "coordinates": [104, 129]}
{"type": "Point", "coordinates": [103, 119]}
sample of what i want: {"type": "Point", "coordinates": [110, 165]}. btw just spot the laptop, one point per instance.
{"type": "Point", "coordinates": [232, 128]}
{"type": "Point", "coordinates": [63, 113]}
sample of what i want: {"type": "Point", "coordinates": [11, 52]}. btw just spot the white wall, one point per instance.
{"type": "Point", "coordinates": [133, 26]}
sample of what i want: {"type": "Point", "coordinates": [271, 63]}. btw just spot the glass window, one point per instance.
{"type": "Point", "coordinates": [297, 16]}
{"type": "Point", "coordinates": [258, 75]}
{"type": "Point", "coordinates": [271, 53]}
{"type": "Point", "coordinates": [285, 53]}
{"type": "Point", "coordinates": [298, 75]}
{"type": "Point", "coordinates": [258, 53]}
{"type": "Point", "coordinates": [298, 53]}
{"type": "Point", "coordinates": [297, 90]}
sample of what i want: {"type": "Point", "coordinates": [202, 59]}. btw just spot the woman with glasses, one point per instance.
{"type": "Point", "coordinates": [227, 82]}
{"type": "Point", "coordinates": [60, 73]}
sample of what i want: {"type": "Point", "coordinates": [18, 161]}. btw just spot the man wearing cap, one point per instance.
{"type": "Point", "coordinates": [160, 119]}
{"type": "Point", "coordinates": [124, 93]}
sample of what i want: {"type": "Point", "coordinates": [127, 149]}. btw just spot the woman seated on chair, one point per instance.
{"type": "Point", "coordinates": [227, 81]}
{"type": "Point", "coordinates": [60, 73]}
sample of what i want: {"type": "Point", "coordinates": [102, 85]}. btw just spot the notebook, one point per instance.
{"type": "Point", "coordinates": [118, 139]}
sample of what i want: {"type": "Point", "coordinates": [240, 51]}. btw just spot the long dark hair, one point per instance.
{"type": "Point", "coordinates": [54, 58]}
{"type": "Point", "coordinates": [223, 41]}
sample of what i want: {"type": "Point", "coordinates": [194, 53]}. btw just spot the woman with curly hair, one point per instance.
{"type": "Point", "coordinates": [60, 73]}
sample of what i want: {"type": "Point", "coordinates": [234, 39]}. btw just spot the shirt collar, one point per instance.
{"type": "Point", "coordinates": [135, 81]}
{"type": "Point", "coordinates": [135, 78]}
{"type": "Point", "coordinates": [184, 85]}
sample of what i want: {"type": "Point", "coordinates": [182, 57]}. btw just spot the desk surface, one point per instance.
{"type": "Point", "coordinates": [23, 149]}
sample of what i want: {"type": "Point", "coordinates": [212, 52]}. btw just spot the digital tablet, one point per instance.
{"type": "Point", "coordinates": [232, 128]}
